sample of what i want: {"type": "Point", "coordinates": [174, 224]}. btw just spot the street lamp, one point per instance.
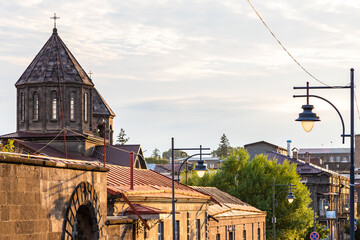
{"type": "Point", "coordinates": [307, 117]}
{"type": "Point", "coordinates": [347, 207]}
{"type": "Point", "coordinates": [290, 197]}
{"type": "Point", "coordinates": [326, 205]}
{"type": "Point", "coordinates": [200, 167]}
{"type": "Point", "coordinates": [202, 172]}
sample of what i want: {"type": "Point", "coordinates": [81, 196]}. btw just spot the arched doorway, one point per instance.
{"type": "Point", "coordinates": [82, 216]}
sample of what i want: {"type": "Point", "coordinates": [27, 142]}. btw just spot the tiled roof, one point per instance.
{"type": "Point", "coordinates": [100, 106]}
{"type": "Point", "coordinates": [146, 183]}
{"type": "Point", "coordinates": [324, 150]}
{"type": "Point", "coordinates": [43, 69]}
{"type": "Point", "coordinates": [118, 154]}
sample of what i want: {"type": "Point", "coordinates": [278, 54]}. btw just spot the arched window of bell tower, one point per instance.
{"type": "Point", "coordinates": [36, 106]}
{"type": "Point", "coordinates": [53, 105]}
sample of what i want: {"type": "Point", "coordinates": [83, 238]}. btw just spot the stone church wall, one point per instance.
{"type": "Point", "coordinates": [35, 194]}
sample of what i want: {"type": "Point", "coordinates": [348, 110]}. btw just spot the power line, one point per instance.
{"type": "Point", "coordinates": [284, 47]}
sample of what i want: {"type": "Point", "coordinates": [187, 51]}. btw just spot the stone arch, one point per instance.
{"type": "Point", "coordinates": [82, 216]}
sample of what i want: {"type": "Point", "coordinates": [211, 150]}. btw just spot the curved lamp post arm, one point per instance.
{"type": "Point", "coordinates": [182, 164]}
{"type": "Point", "coordinates": [288, 188]}
{"type": "Point", "coordinates": [324, 99]}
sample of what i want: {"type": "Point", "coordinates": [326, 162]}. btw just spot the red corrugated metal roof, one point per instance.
{"type": "Point", "coordinates": [146, 183]}
{"type": "Point", "coordinates": [143, 210]}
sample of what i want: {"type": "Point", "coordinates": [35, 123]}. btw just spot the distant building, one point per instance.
{"type": "Point", "coordinates": [209, 162]}
{"type": "Point", "coordinates": [231, 218]}
{"type": "Point", "coordinates": [262, 147]}
{"type": "Point", "coordinates": [165, 169]}
{"type": "Point", "coordinates": [325, 186]}
{"type": "Point", "coordinates": [335, 159]}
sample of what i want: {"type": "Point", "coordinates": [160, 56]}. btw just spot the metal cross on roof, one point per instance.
{"type": "Point", "coordinates": [54, 17]}
{"type": "Point", "coordinates": [90, 74]}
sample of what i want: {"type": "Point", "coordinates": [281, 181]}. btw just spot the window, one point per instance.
{"type": "Point", "coordinates": [244, 234]}
{"type": "Point", "coordinates": [86, 107]}
{"type": "Point", "coordinates": [198, 227]}
{"type": "Point", "coordinates": [188, 226]}
{"type": "Point", "coordinates": [22, 107]}
{"type": "Point", "coordinates": [36, 106]}
{"type": "Point", "coordinates": [218, 236]}
{"type": "Point", "coordinates": [54, 105]}
{"type": "Point", "coordinates": [331, 159]}
{"type": "Point", "coordinates": [145, 233]}
{"type": "Point", "coordinates": [177, 230]}
{"type": "Point", "coordinates": [72, 106]}
{"type": "Point", "coordinates": [231, 236]}
{"type": "Point", "coordinates": [160, 230]}
{"type": "Point", "coordinates": [322, 203]}
{"type": "Point", "coordinates": [338, 159]}
{"type": "Point", "coordinates": [258, 233]}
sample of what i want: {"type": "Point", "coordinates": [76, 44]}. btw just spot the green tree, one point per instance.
{"type": "Point", "coordinates": [156, 160]}
{"type": "Point", "coordinates": [9, 147]}
{"type": "Point", "coordinates": [177, 154]}
{"type": "Point", "coordinates": [251, 181]}
{"type": "Point", "coordinates": [121, 138]}
{"type": "Point", "coordinates": [156, 153]}
{"type": "Point", "coordinates": [224, 148]}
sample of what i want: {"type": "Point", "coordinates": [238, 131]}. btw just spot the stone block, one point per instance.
{"type": "Point", "coordinates": [3, 198]}
{"type": "Point", "coordinates": [14, 213]}
{"type": "Point", "coordinates": [32, 185]}
{"type": "Point", "coordinates": [7, 228]}
{"type": "Point", "coordinates": [29, 212]}
{"type": "Point", "coordinates": [5, 213]}
{"type": "Point", "coordinates": [21, 184]}
{"type": "Point", "coordinates": [24, 227]}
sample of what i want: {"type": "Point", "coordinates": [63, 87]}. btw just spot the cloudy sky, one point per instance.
{"type": "Point", "coordinates": [194, 70]}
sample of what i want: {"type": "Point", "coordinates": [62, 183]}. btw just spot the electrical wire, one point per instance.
{"type": "Point", "coordinates": [283, 47]}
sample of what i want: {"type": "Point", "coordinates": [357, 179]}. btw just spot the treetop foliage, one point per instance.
{"type": "Point", "coordinates": [121, 138]}
{"type": "Point", "coordinates": [251, 181]}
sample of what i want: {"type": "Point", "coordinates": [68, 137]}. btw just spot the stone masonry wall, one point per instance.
{"type": "Point", "coordinates": [35, 193]}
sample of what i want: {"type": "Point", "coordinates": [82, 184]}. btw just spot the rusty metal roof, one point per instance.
{"type": "Point", "coordinates": [220, 196]}
{"type": "Point", "coordinates": [100, 106]}
{"type": "Point", "coordinates": [44, 69]}
{"type": "Point", "coordinates": [146, 183]}
{"type": "Point", "coordinates": [143, 210]}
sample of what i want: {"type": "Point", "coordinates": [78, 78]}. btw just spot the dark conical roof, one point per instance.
{"type": "Point", "coordinates": [43, 69]}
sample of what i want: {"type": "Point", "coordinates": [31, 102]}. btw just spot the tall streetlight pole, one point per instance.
{"type": "Point", "coordinates": [290, 197]}
{"type": "Point", "coordinates": [199, 167]}
{"type": "Point", "coordinates": [307, 117]}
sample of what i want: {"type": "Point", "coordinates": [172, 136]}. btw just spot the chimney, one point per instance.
{"type": "Point", "coordinates": [131, 170]}
{"type": "Point", "coordinates": [295, 153]}
{"type": "Point", "coordinates": [288, 147]}
{"type": "Point", "coordinates": [307, 157]}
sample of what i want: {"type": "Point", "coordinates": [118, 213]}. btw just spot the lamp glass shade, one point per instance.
{"type": "Point", "coordinates": [200, 173]}
{"type": "Point", "coordinates": [347, 208]}
{"type": "Point", "coordinates": [326, 206]}
{"type": "Point", "coordinates": [307, 125]}
{"type": "Point", "coordinates": [290, 197]}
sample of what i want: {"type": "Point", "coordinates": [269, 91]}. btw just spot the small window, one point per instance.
{"type": "Point", "coordinates": [188, 226]}
{"type": "Point", "coordinates": [160, 230]}
{"type": "Point", "coordinates": [22, 107]}
{"type": "Point", "coordinates": [198, 227]}
{"type": "Point", "coordinates": [177, 230]}
{"type": "Point", "coordinates": [338, 159]}
{"type": "Point", "coordinates": [54, 105]}
{"type": "Point", "coordinates": [218, 236]}
{"type": "Point", "coordinates": [231, 236]}
{"type": "Point", "coordinates": [86, 107]}
{"type": "Point", "coordinates": [72, 106]}
{"type": "Point", "coordinates": [36, 107]}
{"type": "Point", "coordinates": [244, 234]}
{"type": "Point", "coordinates": [259, 233]}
